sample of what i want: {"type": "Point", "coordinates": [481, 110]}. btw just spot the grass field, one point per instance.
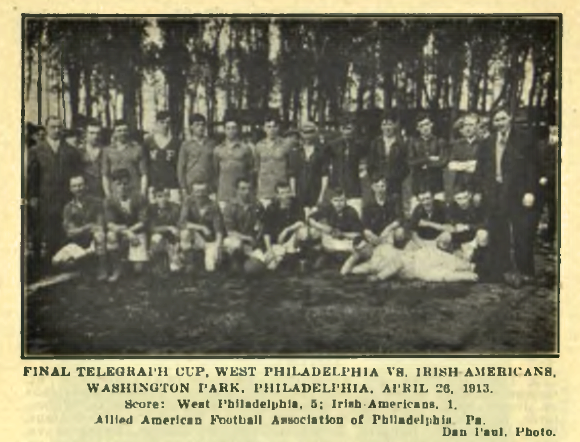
{"type": "Point", "coordinates": [286, 313]}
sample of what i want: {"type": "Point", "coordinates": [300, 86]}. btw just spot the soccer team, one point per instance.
{"type": "Point", "coordinates": [184, 205]}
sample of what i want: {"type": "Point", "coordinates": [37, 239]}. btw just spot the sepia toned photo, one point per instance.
{"type": "Point", "coordinates": [290, 185]}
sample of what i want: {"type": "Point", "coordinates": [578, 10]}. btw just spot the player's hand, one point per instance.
{"type": "Point", "coordinates": [174, 231]}
{"type": "Point", "coordinates": [461, 227]}
{"type": "Point", "coordinates": [528, 200]}
{"type": "Point", "coordinates": [477, 199]}
{"type": "Point", "coordinates": [448, 228]}
{"type": "Point", "coordinates": [205, 231]}
{"type": "Point", "coordinates": [433, 158]}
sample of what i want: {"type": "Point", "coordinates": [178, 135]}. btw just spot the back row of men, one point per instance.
{"type": "Point", "coordinates": [305, 192]}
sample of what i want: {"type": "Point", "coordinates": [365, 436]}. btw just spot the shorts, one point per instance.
{"type": "Point", "coordinates": [336, 245]}
{"type": "Point", "coordinates": [356, 204]}
{"type": "Point", "coordinates": [138, 252]}
{"type": "Point", "coordinates": [210, 250]}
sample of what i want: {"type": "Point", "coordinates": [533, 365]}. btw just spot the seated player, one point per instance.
{"type": "Point", "coordinates": [243, 218]}
{"type": "Point", "coordinates": [425, 264]}
{"type": "Point", "coordinates": [202, 228]}
{"type": "Point", "coordinates": [284, 226]}
{"type": "Point", "coordinates": [82, 223]}
{"type": "Point", "coordinates": [125, 221]}
{"type": "Point", "coordinates": [467, 221]}
{"type": "Point", "coordinates": [337, 223]}
{"type": "Point", "coordinates": [381, 217]}
{"type": "Point", "coordinates": [164, 240]}
{"type": "Point", "coordinates": [429, 221]}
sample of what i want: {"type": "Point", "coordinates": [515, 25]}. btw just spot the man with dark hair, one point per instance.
{"type": "Point", "coordinates": [508, 178]}
{"type": "Point", "coordinates": [388, 158]}
{"type": "Point", "coordinates": [164, 234]}
{"type": "Point", "coordinates": [463, 156]}
{"type": "Point", "coordinates": [429, 222]}
{"type": "Point", "coordinates": [382, 217]}
{"type": "Point", "coordinates": [272, 160]}
{"type": "Point", "coordinates": [124, 154]}
{"type": "Point", "coordinates": [82, 224]}
{"type": "Point", "coordinates": [202, 228]}
{"type": "Point", "coordinates": [126, 221]}
{"type": "Point", "coordinates": [91, 154]}
{"type": "Point", "coordinates": [51, 164]}
{"type": "Point", "coordinates": [309, 168]}
{"type": "Point", "coordinates": [195, 161]}
{"type": "Point", "coordinates": [244, 220]}
{"type": "Point", "coordinates": [428, 156]}
{"type": "Point", "coordinates": [284, 226]}
{"type": "Point", "coordinates": [468, 221]}
{"type": "Point", "coordinates": [162, 150]}
{"type": "Point", "coordinates": [233, 159]}
{"type": "Point", "coordinates": [336, 223]}
{"type": "Point", "coordinates": [345, 157]}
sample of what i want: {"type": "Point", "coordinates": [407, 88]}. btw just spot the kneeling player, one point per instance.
{"type": "Point", "coordinates": [243, 217]}
{"type": "Point", "coordinates": [83, 225]}
{"type": "Point", "coordinates": [164, 240]}
{"type": "Point", "coordinates": [283, 222]}
{"type": "Point", "coordinates": [336, 223]}
{"type": "Point", "coordinates": [467, 220]}
{"type": "Point", "coordinates": [428, 224]}
{"type": "Point", "coordinates": [425, 264]}
{"type": "Point", "coordinates": [202, 228]}
{"type": "Point", "coordinates": [125, 220]}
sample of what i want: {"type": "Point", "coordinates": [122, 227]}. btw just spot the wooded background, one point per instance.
{"type": "Point", "coordinates": [308, 69]}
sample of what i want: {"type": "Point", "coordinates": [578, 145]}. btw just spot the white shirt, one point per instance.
{"type": "Point", "coordinates": [54, 144]}
{"type": "Point", "coordinates": [500, 146]}
{"type": "Point", "coordinates": [389, 141]}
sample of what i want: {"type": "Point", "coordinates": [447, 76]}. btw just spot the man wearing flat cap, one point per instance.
{"type": "Point", "coordinates": [309, 168]}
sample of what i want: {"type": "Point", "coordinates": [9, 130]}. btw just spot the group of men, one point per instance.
{"type": "Point", "coordinates": [180, 204]}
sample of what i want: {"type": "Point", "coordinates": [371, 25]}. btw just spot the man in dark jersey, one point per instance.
{"type": "Point", "coordinates": [162, 150]}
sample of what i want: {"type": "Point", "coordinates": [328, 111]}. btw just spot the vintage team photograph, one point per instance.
{"type": "Point", "coordinates": [290, 185]}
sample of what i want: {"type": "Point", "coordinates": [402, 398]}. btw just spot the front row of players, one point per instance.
{"type": "Point", "coordinates": [438, 242]}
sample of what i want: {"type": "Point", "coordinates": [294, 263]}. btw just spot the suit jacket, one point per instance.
{"type": "Point", "coordinates": [394, 167]}
{"type": "Point", "coordinates": [519, 167]}
{"type": "Point", "coordinates": [50, 173]}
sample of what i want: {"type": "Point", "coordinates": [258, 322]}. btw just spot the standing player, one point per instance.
{"type": "Point", "coordinates": [233, 159]}
{"type": "Point", "coordinates": [195, 163]}
{"type": "Point", "coordinates": [309, 168]}
{"type": "Point", "coordinates": [92, 159]}
{"type": "Point", "coordinates": [202, 228]}
{"type": "Point", "coordinates": [428, 157]}
{"type": "Point", "coordinates": [388, 158]}
{"type": "Point", "coordinates": [125, 221]}
{"type": "Point", "coordinates": [272, 160]}
{"type": "Point", "coordinates": [345, 155]}
{"type": "Point", "coordinates": [162, 150]}
{"type": "Point", "coordinates": [463, 156]}
{"type": "Point", "coordinates": [124, 154]}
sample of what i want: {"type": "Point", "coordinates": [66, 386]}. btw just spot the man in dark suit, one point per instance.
{"type": "Point", "coordinates": [52, 162]}
{"type": "Point", "coordinates": [388, 158]}
{"type": "Point", "coordinates": [506, 174]}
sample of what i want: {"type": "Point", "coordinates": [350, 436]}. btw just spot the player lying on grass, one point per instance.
{"type": "Point", "coordinates": [424, 264]}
